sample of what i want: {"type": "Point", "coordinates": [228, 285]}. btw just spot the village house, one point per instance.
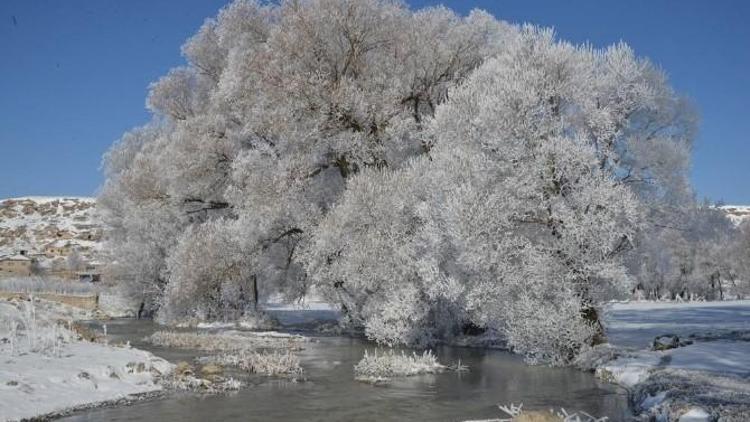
{"type": "Point", "coordinates": [91, 273]}
{"type": "Point", "coordinates": [16, 265]}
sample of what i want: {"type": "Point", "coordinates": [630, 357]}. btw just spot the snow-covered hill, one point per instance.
{"type": "Point", "coordinates": [32, 224]}
{"type": "Point", "coordinates": [737, 213]}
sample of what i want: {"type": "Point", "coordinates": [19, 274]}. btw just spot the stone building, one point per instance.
{"type": "Point", "coordinates": [18, 265]}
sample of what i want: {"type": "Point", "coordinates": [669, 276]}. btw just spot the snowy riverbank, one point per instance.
{"type": "Point", "coordinates": [46, 367]}
{"type": "Point", "coordinates": [707, 378]}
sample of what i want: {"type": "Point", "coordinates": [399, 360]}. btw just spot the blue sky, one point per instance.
{"type": "Point", "coordinates": [74, 75]}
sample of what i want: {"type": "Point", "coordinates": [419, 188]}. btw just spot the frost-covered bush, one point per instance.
{"type": "Point", "coordinates": [387, 364]}
{"type": "Point", "coordinates": [189, 382]}
{"type": "Point", "coordinates": [268, 363]}
{"type": "Point", "coordinates": [548, 331]}
{"type": "Point", "coordinates": [209, 280]}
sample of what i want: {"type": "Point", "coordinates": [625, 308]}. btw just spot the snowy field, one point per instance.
{"type": "Point", "coordinates": [82, 374]}
{"type": "Point", "coordinates": [711, 374]}
{"type": "Point", "coordinates": [720, 333]}
{"type": "Point", "coordinates": [636, 324]}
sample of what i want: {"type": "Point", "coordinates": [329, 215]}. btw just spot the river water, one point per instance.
{"type": "Point", "coordinates": [331, 394]}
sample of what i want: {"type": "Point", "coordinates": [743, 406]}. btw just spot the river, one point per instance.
{"type": "Point", "coordinates": [331, 393]}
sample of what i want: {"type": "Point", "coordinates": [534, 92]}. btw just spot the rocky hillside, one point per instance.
{"type": "Point", "coordinates": [737, 213]}
{"type": "Point", "coordinates": [51, 225]}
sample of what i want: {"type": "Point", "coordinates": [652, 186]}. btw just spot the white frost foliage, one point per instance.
{"type": "Point", "coordinates": [207, 280]}
{"type": "Point", "coordinates": [516, 412]}
{"type": "Point", "coordinates": [272, 364]}
{"type": "Point", "coordinates": [27, 331]}
{"type": "Point", "coordinates": [420, 169]}
{"type": "Point", "coordinates": [551, 331]}
{"type": "Point", "coordinates": [377, 366]}
{"type": "Point", "coordinates": [517, 221]}
{"type": "Point", "coordinates": [279, 105]}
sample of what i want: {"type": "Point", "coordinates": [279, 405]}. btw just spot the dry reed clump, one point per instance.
{"type": "Point", "coordinates": [377, 367]}
{"type": "Point", "coordinates": [223, 342]}
{"type": "Point", "coordinates": [269, 363]}
{"type": "Point", "coordinates": [203, 385]}
{"type": "Point", "coordinates": [517, 414]}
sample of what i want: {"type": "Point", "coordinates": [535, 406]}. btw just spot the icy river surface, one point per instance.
{"type": "Point", "coordinates": [331, 393]}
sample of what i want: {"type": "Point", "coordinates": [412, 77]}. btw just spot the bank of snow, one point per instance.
{"type": "Point", "coordinates": [47, 369]}
{"type": "Point", "coordinates": [82, 374]}
{"type": "Point", "coordinates": [709, 375]}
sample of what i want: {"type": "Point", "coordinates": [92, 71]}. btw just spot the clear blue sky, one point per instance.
{"type": "Point", "coordinates": [74, 74]}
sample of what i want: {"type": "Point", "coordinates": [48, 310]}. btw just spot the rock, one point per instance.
{"type": "Point", "coordinates": [537, 416]}
{"type": "Point", "coordinates": [695, 414]}
{"type": "Point", "coordinates": [84, 332]}
{"type": "Point", "coordinates": [211, 369]}
{"type": "Point", "coordinates": [184, 369]}
{"type": "Point", "coordinates": [666, 342]}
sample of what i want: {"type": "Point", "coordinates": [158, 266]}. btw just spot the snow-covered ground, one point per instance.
{"type": "Point", "coordinates": [45, 368]}
{"type": "Point", "coordinates": [82, 374]}
{"type": "Point", "coordinates": [710, 375]}
{"type": "Point", "coordinates": [635, 324]}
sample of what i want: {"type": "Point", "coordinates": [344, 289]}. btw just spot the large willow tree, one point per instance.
{"type": "Point", "coordinates": [425, 171]}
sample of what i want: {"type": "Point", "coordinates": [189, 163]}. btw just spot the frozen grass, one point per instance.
{"type": "Point", "coordinates": [671, 393]}
{"type": "Point", "coordinates": [378, 367]}
{"type": "Point", "coordinates": [189, 382]}
{"type": "Point", "coordinates": [517, 414]}
{"type": "Point", "coordinates": [46, 285]}
{"type": "Point", "coordinates": [223, 342]}
{"type": "Point", "coordinates": [23, 331]}
{"type": "Point", "coordinates": [269, 363]}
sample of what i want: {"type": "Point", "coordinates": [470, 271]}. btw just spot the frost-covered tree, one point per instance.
{"type": "Point", "coordinates": [519, 218]}
{"type": "Point", "coordinates": [740, 255]}
{"type": "Point", "coordinates": [430, 173]}
{"type": "Point", "coordinates": [695, 255]}
{"type": "Point", "coordinates": [278, 106]}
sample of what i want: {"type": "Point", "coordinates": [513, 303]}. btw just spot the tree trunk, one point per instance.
{"type": "Point", "coordinates": [255, 294]}
{"type": "Point", "coordinates": [591, 315]}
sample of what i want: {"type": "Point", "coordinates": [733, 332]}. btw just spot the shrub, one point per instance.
{"type": "Point", "coordinates": [377, 367]}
